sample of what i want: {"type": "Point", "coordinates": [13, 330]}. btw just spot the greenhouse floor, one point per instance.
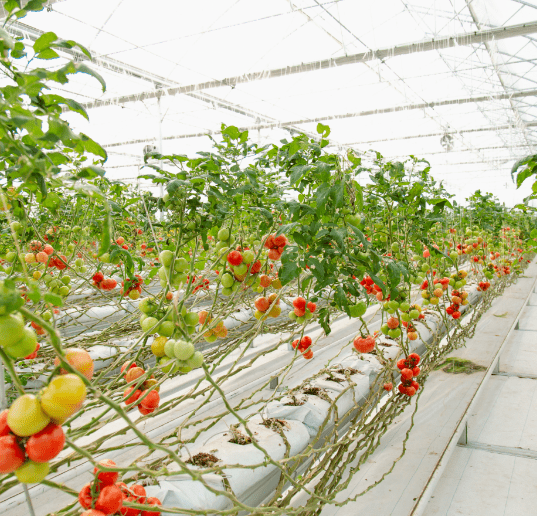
{"type": "Point", "coordinates": [474, 442]}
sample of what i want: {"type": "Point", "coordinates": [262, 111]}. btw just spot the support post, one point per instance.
{"type": "Point", "coordinates": [28, 500]}
{"type": "Point", "coordinates": [463, 439]}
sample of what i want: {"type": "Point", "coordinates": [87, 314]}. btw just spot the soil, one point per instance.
{"type": "Point", "coordinates": [204, 460]}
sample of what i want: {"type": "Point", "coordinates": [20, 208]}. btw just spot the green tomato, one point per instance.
{"type": "Point", "coordinates": [183, 350]}
{"type": "Point", "coordinates": [166, 329]}
{"type": "Point", "coordinates": [414, 314]}
{"type": "Point", "coordinates": [148, 305]}
{"type": "Point", "coordinates": [405, 317]}
{"type": "Point", "coordinates": [358, 310]}
{"type": "Point", "coordinates": [168, 348]}
{"type": "Point", "coordinates": [180, 265]}
{"type": "Point", "coordinates": [11, 329]}
{"type": "Point", "coordinates": [223, 235]}
{"type": "Point", "coordinates": [166, 258]}
{"type": "Point", "coordinates": [32, 472]}
{"type": "Point", "coordinates": [404, 306]}
{"type": "Point", "coordinates": [66, 280]}
{"type": "Point", "coordinates": [385, 329]}
{"type": "Point", "coordinates": [227, 280]}
{"type": "Point", "coordinates": [196, 360]}
{"type": "Point", "coordinates": [24, 346]}
{"type": "Point", "coordinates": [11, 257]}
{"type": "Point", "coordinates": [183, 367]}
{"type": "Point", "coordinates": [228, 291]}
{"type": "Point", "coordinates": [241, 269]}
{"type": "Point", "coordinates": [105, 258]}
{"type": "Point", "coordinates": [191, 318]}
{"type": "Point", "coordinates": [248, 257]}
{"type": "Point", "coordinates": [169, 365]}
{"type": "Point", "coordinates": [64, 291]}
{"type": "Point", "coordinates": [394, 333]}
{"type": "Point", "coordinates": [148, 324]}
{"type": "Point", "coordinates": [394, 305]}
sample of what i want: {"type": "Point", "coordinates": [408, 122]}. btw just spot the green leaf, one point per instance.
{"type": "Point", "coordinates": [297, 172]}
{"type": "Point", "coordinates": [53, 299]}
{"type": "Point", "coordinates": [323, 129]}
{"type": "Point", "coordinates": [48, 53]}
{"type": "Point", "coordinates": [92, 146]}
{"type": "Point", "coordinates": [288, 272]}
{"type": "Point", "coordinates": [71, 68]}
{"type": "Point", "coordinates": [44, 41]}
{"type": "Point", "coordinates": [39, 179]}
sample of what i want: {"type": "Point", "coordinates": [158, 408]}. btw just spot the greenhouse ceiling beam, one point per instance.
{"type": "Point", "coordinates": [464, 39]}
{"type": "Point", "coordinates": [462, 131]}
{"type": "Point", "coordinates": [395, 109]}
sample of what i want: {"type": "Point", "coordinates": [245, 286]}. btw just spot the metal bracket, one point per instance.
{"type": "Point", "coordinates": [496, 369]}
{"type": "Point", "coordinates": [273, 383]}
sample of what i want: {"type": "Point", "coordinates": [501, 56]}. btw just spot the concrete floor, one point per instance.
{"type": "Point", "coordinates": [495, 473]}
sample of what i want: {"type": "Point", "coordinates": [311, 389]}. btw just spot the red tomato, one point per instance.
{"type": "Point", "coordinates": [11, 454]}
{"type": "Point", "coordinates": [4, 428]}
{"type": "Point", "coordinates": [45, 445]}
{"type": "Point", "coordinates": [106, 477]}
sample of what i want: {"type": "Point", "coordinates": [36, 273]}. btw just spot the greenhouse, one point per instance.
{"type": "Point", "coordinates": [268, 258]}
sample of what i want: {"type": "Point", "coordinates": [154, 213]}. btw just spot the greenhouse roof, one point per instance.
{"type": "Point", "coordinates": [451, 81]}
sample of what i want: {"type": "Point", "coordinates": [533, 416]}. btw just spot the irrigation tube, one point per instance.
{"type": "Point", "coordinates": [419, 508]}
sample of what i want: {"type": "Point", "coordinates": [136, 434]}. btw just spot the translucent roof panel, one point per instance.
{"type": "Point", "coordinates": [479, 96]}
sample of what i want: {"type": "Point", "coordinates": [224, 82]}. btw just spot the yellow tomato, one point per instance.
{"type": "Point", "coordinates": [25, 416]}
{"type": "Point", "coordinates": [63, 396]}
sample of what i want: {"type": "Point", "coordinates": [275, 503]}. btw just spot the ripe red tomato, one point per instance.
{"type": "Point", "coordinates": [110, 500]}
{"type": "Point", "coordinates": [45, 445]}
{"type": "Point", "coordinates": [11, 454]}
{"type": "Point", "coordinates": [4, 428]}
{"type": "Point", "coordinates": [106, 477]}
{"type": "Point", "coordinates": [151, 501]}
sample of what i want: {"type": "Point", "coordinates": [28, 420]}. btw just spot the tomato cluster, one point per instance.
{"type": "Point", "coordinates": [302, 310]}
{"type": "Point", "coordinates": [409, 370]}
{"type": "Point", "coordinates": [148, 391]}
{"type": "Point", "coordinates": [105, 495]}
{"type": "Point", "coordinates": [16, 340]}
{"type": "Point", "coordinates": [267, 307]}
{"type": "Point", "coordinates": [30, 429]}
{"type": "Point", "coordinates": [304, 346]}
{"type": "Point", "coordinates": [132, 288]}
{"type": "Point", "coordinates": [103, 283]}
{"type": "Point", "coordinates": [275, 245]}
{"type": "Point", "coordinates": [211, 335]}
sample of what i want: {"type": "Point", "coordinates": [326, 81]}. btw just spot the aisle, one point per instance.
{"type": "Point", "coordinates": [495, 471]}
{"type": "Point", "coordinates": [443, 405]}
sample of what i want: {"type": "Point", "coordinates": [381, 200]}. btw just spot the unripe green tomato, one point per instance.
{"type": "Point", "coordinates": [404, 306]}
{"type": "Point", "coordinates": [11, 256]}
{"type": "Point", "coordinates": [180, 265]}
{"type": "Point", "coordinates": [83, 269]}
{"type": "Point", "coordinates": [414, 314]}
{"type": "Point", "coordinates": [165, 258]}
{"type": "Point", "coordinates": [64, 291]}
{"type": "Point", "coordinates": [459, 284]}
{"type": "Point", "coordinates": [425, 267]}
{"type": "Point", "coordinates": [196, 360]}
{"type": "Point", "coordinates": [105, 258]}
{"type": "Point", "coordinates": [308, 315]}
{"type": "Point", "coordinates": [166, 329]}
{"type": "Point", "coordinates": [394, 305]}
{"type": "Point", "coordinates": [169, 365]}
{"type": "Point", "coordinates": [383, 238]}
{"type": "Point", "coordinates": [241, 269]}
{"type": "Point", "coordinates": [191, 318]}
{"type": "Point", "coordinates": [452, 282]}
{"type": "Point", "coordinates": [236, 286]}
{"type": "Point", "coordinates": [434, 300]}
{"type": "Point", "coordinates": [425, 302]}
{"type": "Point", "coordinates": [147, 325]}
{"type": "Point", "coordinates": [301, 320]}
{"type": "Point", "coordinates": [66, 280]}
{"type": "Point", "coordinates": [390, 311]}
{"type": "Point", "coordinates": [358, 309]}
{"type": "Point", "coordinates": [405, 317]}
{"type": "Point", "coordinates": [385, 329]}
{"type": "Point", "coordinates": [223, 235]}
{"type": "Point", "coordinates": [169, 347]}
{"type": "Point", "coordinates": [394, 333]}
{"type": "Point", "coordinates": [395, 247]}
{"type": "Point", "coordinates": [248, 257]}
